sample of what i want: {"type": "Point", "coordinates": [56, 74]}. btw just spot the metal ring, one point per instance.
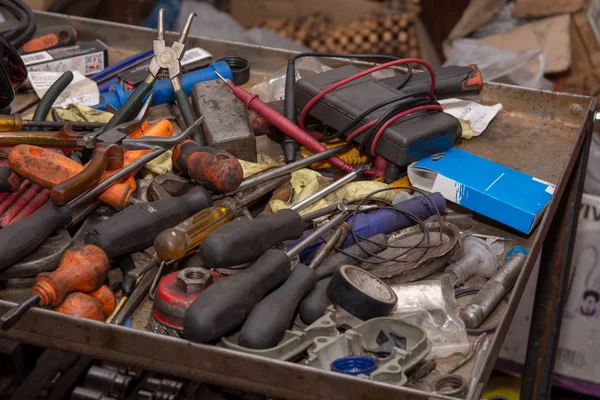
{"type": "Point", "coordinates": [477, 331]}
{"type": "Point", "coordinates": [458, 382]}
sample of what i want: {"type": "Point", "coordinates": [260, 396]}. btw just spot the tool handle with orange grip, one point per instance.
{"type": "Point", "coordinates": [83, 268]}
{"type": "Point", "coordinates": [50, 38]}
{"type": "Point", "coordinates": [216, 169]}
{"type": "Point", "coordinates": [96, 305]}
{"type": "Point", "coordinates": [105, 157]}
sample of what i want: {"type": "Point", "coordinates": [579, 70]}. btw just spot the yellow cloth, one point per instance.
{"type": "Point", "coordinates": [306, 182]}
{"type": "Point", "coordinates": [78, 113]}
{"type": "Point", "coordinates": [263, 163]}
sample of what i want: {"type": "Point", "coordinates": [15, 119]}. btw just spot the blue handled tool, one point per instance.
{"type": "Point", "coordinates": [108, 76]}
{"type": "Point", "coordinates": [163, 90]}
{"type": "Point", "coordinates": [369, 224]}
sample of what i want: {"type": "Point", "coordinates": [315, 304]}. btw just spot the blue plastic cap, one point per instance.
{"type": "Point", "coordinates": [354, 365]}
{"type": "Point", "coordinates": [515, 249]}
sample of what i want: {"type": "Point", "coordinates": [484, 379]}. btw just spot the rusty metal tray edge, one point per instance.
{"type": "Point", "coordinates": [247, 372]}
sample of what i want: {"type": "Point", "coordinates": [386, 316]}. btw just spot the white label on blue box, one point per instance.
{"type": "Point", "coordinates": [488, 188]}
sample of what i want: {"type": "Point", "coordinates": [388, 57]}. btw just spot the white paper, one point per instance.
{"type": "Point", "coordinates": [479, 116]}
{"type": "Point", "coordinates": [82, 90]}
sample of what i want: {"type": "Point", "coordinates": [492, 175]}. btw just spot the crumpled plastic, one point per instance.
{"type": "Point", "coordinates": [306, 182]}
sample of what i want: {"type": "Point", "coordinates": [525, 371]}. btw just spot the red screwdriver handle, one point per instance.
{"type": "Point", "coordinates": [252, 102]}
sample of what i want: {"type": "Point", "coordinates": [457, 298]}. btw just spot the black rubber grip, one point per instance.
{"type": "Point", "coordinates": [242, 241]}
{"type": "Point", "coordinates": [21, 238]}
{"type": "Point", "coordinates": [48, 99]}
{"type": "Point", "coordinates": [268, 321]}
{"type": "Point", "coordinates": [334, 261]}
{"type": "Point", "coordinates": [225, 305]}
{"type": "Point", "coordinates": [314, 304]}
{"type": "Point", "coordinates": [135, 228]}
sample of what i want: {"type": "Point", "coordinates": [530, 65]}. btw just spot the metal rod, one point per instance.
{"type": "Point", "coordinates": [14, 314]}
{"type": "Point", "coordinates": [297, 249]}
{"type": "Point", "coordinates": [152, 142]}
{"type": "Point", "coordinates": [161, 24]}
{"type": "Point", "coordinates": [328, 189]}
{"type": "Point", "coordinates": [117, 176]}
{"type": "Point", "coordinates": [551, 291]}
{"type": "Point", "coordinates": [286, 169]}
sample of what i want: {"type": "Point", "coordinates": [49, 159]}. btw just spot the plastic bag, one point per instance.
{"type": "Point", "coordinates": [431, 305]}
{"type": "Point", "coordinates": [273, 88]}
{"type": "Point", "coordinates": [501, 65]}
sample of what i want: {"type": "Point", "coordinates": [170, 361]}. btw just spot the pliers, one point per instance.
{"type": "Point", "coordinates": [165, 58]}
{"type": "Point", "coordinates": [108, 154]}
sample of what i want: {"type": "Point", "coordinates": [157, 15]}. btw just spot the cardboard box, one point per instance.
{"type": "Point", "coordinates": [89, 58]}
{"type": "Point", "coordinates": [488, 188]}
{"type": "Point", "coordinates": [578, 356]}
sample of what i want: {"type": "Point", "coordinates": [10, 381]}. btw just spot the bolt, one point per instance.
{"type": "Point", "coordinates": [596, 118]}
{"type": "Point", "coordinates": [576, 109]}
{"type": "Point", "coordinates": [193, 279]}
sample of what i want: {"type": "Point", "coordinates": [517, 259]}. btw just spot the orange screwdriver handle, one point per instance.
{"type": "Point", "coordinates": [96, 305]}
{"type": "Point", "coordinates": [48, 168]}
{"type": "Point", "coordinates": [216, 169]}
{"type": "Point", "coordinates": [83, 268]}
{"type": "Point", "coordinates": [105, 157]}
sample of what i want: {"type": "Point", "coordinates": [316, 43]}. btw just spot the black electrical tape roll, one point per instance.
{"type": "Point", "coordinates": [360, 293]}
{"type": "Point", "coordinates": [240, 69]}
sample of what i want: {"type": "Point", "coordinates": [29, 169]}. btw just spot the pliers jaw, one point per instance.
{"type": "Point", "coordinates": [168, 57]}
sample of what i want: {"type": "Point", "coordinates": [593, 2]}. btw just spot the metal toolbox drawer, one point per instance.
{"type": "Point", "coordinates": [540, 133]}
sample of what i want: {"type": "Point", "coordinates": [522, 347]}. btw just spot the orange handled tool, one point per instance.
{"type": "Point", "coordinates": [216, 169]}
{"type": "Point", "coordinates": [96, 305]}
{"type": "Point", "coordinates": [83, 268]}
{"type": "Point", "coordinates": [48, 168]}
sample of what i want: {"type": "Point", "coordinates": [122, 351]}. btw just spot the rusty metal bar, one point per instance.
{"type": "Point", "coordinates": [552, 285]}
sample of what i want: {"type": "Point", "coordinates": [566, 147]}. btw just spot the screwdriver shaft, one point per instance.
{"type": "Point", "coordinates": [294, 251]}
{"type": "Point", "coordinates": [14, 314]}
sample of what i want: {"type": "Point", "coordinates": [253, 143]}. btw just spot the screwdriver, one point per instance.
{"type": "Point", "coordinates": [15, 122]}
{"type": "Point", "coordinates": [244, 240]}
{"type": "Point", "coordinates": [21, 238]}
{"type": "Point", "coordinates": [174, 243]}
{"type": "Point", "coordinates": [267, 322]}
{"type": "Point", "coordinates": [82, 268]}
{"type": "Point", "coordinates": [252, 102]}
{"type": "Point", "coordinates": [96, 305]}
{"type": "Point", "coordinates": [226, 304]}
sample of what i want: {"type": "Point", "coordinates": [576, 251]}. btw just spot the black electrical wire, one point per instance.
{"type": "Point", "coordinates": [358, 238]}
{"type": "Point", "coordinates": [374, 108]}
{"type": "Point", "coordinates": [289, 108]}
{"type": "Point", "coordinates": [20, 34]}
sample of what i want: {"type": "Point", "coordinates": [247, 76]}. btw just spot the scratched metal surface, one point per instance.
{"type": "Point", "coordinates": [537, 133]}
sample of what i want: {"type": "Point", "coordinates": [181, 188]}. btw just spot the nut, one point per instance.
{"type": "Point", "coordinates": [194, 279]}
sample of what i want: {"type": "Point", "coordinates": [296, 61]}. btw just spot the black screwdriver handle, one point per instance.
{"type": "Point", "coordinates": [268, 321]}
{"type": "Point", "coordinates": [226, 304]}
{"type": "Point", "coordinates": [135, 228]}
{"type": "Point", "coordinates": [315, 303]}
{"type": "Point", "coordinates": [21, 238]}
{"type": "Point", "coordinates": [242, 241]}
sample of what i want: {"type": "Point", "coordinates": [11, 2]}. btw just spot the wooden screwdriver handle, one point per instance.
{"type": "Point", "coordinates": [96, 305]}
{"type": "Point", "coordinates": [83, 268]}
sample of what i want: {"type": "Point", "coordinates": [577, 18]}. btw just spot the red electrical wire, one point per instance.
{"type": "Point", "coordinates": [366, 126]}
{"type": "Point", "coordinates": [397, 117]}
{"type": "Point", "coordinates": [319, 96]}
